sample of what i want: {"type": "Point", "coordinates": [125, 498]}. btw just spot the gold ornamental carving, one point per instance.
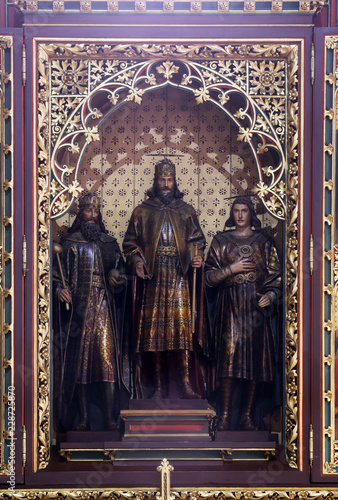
{"type": "Point", "coordinates": [177, 494]}
{"type": "Point", "coordinates": [223, 6]}
{"type": "Point", "coordinates": [266, 77]}
{"type": "Point", "coordinates": [7, 429]}
{"type": "Point", "coordinates": [235, 6]}
{"type": "Point", "coordinates": [250, 6]}
{"type": "Point", "coordinates": [112, 6]}
{"type": "Point", "coordinates": [329, 338]}
{"type": "Point", "coordinates": [32, 5]}
{"type": "Point", "coordinates": [5, 43]}
{"type": "Point", "coordinates": [58, 6]}
{"type": "Point", "coordinates": [277, 6]}
{"type": "Point", "coordinates": [140, 6]}
{"type": "Point", "coordinates": [168, 6]}
{"type": "Point", "coordinates": [196, 7]}
{"type": "Point", "coordinates": [85, 6]}
{"type": "Point", "coordinates": [304, 6]}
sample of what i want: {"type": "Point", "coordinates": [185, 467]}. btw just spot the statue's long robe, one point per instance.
{"type": "Point", "coordinates": [165, 238]}
{"type": "Point", "coordinates": [243, 337]}
{"type": "Point", "coordinates": [93, 329]}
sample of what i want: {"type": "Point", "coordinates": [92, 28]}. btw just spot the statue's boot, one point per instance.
{"type": "Point", "coordinates": [227, 387]}
{"type": "Point", "coordinates": [246, 422]}
{"type": "Point", "coordinates": [83, 404]}
{"type": "Point", "coordinates": [109, 401]}
{"type": "Point", "coordinates": [160, 377]}
{"type": "Point", "coordinates": [187, 392]}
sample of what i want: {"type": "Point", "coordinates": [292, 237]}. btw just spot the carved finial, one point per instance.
{"type": "Point", "coordinates": [165, 468]}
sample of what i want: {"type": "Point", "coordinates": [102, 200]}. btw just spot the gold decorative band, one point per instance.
{"type": "Point", "coordinates": [242, 278]}
{"type": "Point", "coordinates": [166, 251]}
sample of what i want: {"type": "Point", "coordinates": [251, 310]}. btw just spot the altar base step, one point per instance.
{"type": "Point", "coordinates": [237, 446]}
{"type": "Point", "coordinates": [177, 430]}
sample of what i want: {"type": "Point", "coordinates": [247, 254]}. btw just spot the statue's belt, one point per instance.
{"type": "Point", "coordinates": [238, 279]}
{"type": "Point", "coordinates": [168, 251]}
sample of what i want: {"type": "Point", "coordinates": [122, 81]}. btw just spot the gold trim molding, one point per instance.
{"type": "Point", "coordinates": [171, 6]}
{"type": "Point", "coordinates": [329, 382]}
{"type": "Point", "coordinates": [223, 64]}
{"type": "Point", "coordinates": [176, 494]}
{"type": "Point", "coordinates": [7, 433]}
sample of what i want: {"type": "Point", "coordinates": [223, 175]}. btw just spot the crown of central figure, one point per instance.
{"type": "Point", "coordinates": [165, 168]}
{"type": "Point", "coordinates": [89, 200]}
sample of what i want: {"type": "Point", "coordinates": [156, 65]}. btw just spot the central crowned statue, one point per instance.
{"type": "Point", "coordinates": [163, 245]}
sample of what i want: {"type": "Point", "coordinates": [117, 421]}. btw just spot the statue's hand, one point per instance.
{"type": "Point", "coordinates": [196, 261]}
{"type": "Point", "coordinates": [65, 296]}
{"type": "Point", "coordinates": [242, 265]}
{"type": "Point", "coordinates": [141, 270]}
{"type": "Point", "coordinates": [115, 278]}
{"type": "Point", "coordinates": [264, 300]}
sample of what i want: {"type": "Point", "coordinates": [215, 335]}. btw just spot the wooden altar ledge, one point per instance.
{"type": "Point", "coordinates": [175, 429]}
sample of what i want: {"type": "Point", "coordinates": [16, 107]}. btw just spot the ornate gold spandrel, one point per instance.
{"type": "Point", "coordinates": [265, 76]}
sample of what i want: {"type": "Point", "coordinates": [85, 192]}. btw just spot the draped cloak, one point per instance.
{"type": "Point", "coordinates": [243, 337]}
{"type": "Point", "coordinates": [92, 330]}
{"type": "Point", "coordinates": [162, 304]}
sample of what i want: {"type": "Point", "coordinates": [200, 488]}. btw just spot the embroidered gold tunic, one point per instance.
{"type": "Point", "coordinates": [97, 351]}
{"type": "Point", "coordinates": [165, 316]}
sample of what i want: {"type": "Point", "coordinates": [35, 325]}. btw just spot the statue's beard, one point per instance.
{"type": "Point", "coordinates": [90, 231]}
{"type": "Point", "coordinates": [165, 197]}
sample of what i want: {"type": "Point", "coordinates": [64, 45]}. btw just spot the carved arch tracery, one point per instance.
{"type": "Point", "coordinates": [207, 81]}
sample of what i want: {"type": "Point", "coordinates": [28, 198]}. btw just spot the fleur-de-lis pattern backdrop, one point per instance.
{"type": "Point", "coordinates": [226, 114]}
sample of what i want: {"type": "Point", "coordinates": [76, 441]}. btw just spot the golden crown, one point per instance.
{"type": "Point", "coordinates": [89, 200]}
{"type": "Point", "coordinates": [165, 168]}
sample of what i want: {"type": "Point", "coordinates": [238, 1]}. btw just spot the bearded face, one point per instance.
{"type": "Point", "coordinates": [165, 188]}
{"type": "Point", "coordinates": [89, 225]}
{"type": "Point", "coordinates": [165, 197]}
{"type": "Point", "coordinates": [90, 231]}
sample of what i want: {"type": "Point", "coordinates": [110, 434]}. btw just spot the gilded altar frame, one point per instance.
{"type": "Point", "coordinates": [329, 264]}
{"type": "Point", "coordinates": [275, 121]}
{"type": "Point", "coordinates": [7, 390]}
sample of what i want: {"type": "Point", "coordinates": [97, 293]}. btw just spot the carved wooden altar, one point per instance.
{"type": "Point", "coordinates": [91, 94]}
